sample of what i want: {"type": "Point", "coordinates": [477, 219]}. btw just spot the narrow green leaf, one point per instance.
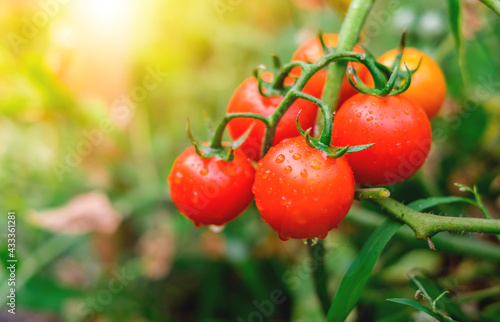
{"type": "Point", "coordinates": [357, 275]}
{"type": "Point", "coordinates": [422, 308]}
{"type": "Point", "coordinates": [422, 204]}
{"type": "Point", "coordinates": [493, 5]}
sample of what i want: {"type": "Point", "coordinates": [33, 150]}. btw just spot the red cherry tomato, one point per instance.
{"type": "Point", "coordinates": [311, 51]}
{"type": "Point", "coordinates": [211, 191]}
{"type": "Point", "coordinates": [399, 128]}
{"type": "Point", "coordinates": [428, 85]}
{"type": "Point", "coordinates": [300, 191]}
{"type": "Point", "coordinates": [247, 99]}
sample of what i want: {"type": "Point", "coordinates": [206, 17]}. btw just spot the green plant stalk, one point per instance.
{"type": "Point", "coordinates": [219, 132]}
{"type": "Point", "coordinates": [480, 204]}
{"type": "Point", "coordinates": [445, 242]}
{"type": "Point", "coordinates": [493, 5]}
{"type": "Point", "coordinates": [426, 225]}
{"type": "Point", "coordinates": [317, 252]}
{"type": "Point", "coordinates": [371, 193]}
{"type": "Point", "coordinates": [348, 37]}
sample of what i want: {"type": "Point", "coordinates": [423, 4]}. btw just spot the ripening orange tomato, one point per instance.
{"type": "Point", "coordinates": [428, 85]}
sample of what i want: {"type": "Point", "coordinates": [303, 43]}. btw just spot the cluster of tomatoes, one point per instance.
{"type": "Point", "coordinates": [300, 191]}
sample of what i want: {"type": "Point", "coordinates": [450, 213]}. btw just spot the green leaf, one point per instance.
{"type": "Point", "coordinates": [357, 275]}
{"type": "Point", "coordinates": [422, 308]}
{"type": "Point", "coordinates": [422, 204]}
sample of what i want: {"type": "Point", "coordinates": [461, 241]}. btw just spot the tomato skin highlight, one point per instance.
{"type": "Point", "coordinates": [247, 99]}
{"type": "Point", "coordinates": [300, 191]}
{"type": "Point", "coordinates": [428, 85]}
{"type": "Point", "coordinates": [211, 191]}
{"type": "Point", "coordinates": [311, 51]}
{"type": "Point", "coordinates": [399, 128]}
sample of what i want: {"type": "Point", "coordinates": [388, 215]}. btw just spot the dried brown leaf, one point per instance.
{"type": "Point", "coordinates": [89, 212]}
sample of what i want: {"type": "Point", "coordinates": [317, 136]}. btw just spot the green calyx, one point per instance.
{"type": "Point", "coordinates": [387, 81]}
{"type": "Point", "coordinates": [224, 152]}
{"type": "Point", "coordinates": [388, 88]}
{"type": "Point", "coordinates": [324, 145]}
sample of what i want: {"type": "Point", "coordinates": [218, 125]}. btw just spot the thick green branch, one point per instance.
{"type": "Point", "coordinates": [427, 225]}
{"type": "Point", "coordinates": [348, 37]}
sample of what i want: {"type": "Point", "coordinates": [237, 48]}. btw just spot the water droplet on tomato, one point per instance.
{"type": "Point", "coordinates": [195, 198]}
{"type": "Point", "coordinates": [370, 111]}
{"type": "Point", "coordinates": [303, 173]}
{"type": "Point", "coordinates": [216, 229]}
{"type": "Point", "coordinates": [369, 119]}
{"type": "Point", "coordinates": [265, 175]}
{"type": "Point", "coordinates": [283, 201]}
{"type": "Point", "coordinates": [407, 112]}
{"type": "Point", "coordinates": [297, 156]}
{"type": "Point", "coordinates": [311, 242]}
{"type": "Point", "coordinates": [280, 180]}
{"type": "Point", "coordinates": [204, 171]}
{"type": "Point", "coordinates": [290, 151]}
{"type": "Point", "coordinates": [374, 103]}
{"type": "Point", "coordinates": [316, 165]}
{"type": "Point", "coordinates": [280, 158]}
{"type": "Point", "coordinates": [358, 115]}
{"type": "Point", "coordinates": [178, 177]}
{"type": "Point", "coordinates": [288, 169]}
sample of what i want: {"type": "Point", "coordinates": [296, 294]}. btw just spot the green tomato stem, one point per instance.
{"type": "Point", "coordinates": [308, 70]}
{"type": "Point", "coordinates": [326, 135]}
{"type": "Point", "coordinates": [348, 37]}
{"type": "Point", "coordinates": [372, 193]}
{"type": "Point", "coordinates": [219, 132]}
{"type": "Point", "coordinates": [426, 225]}
{"type": "Point", "coordinates": [445, 242]}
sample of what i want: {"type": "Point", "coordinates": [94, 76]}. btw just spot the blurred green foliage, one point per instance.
{"type": "Point", "coordinates": [205, 50]}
